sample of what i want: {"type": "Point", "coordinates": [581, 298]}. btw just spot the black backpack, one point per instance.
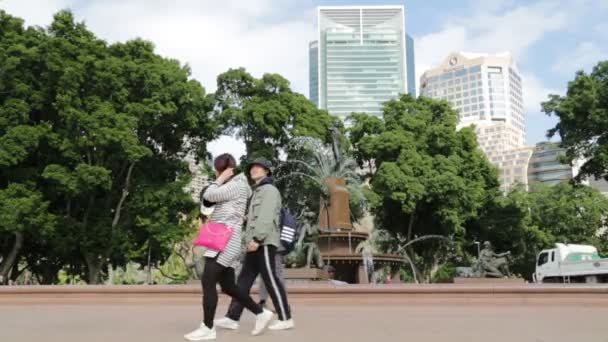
{"type": "Point", "coordinates": [290, 231]}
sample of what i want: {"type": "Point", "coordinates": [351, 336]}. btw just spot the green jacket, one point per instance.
{"type": "Point", "coordinates": [264, 214]}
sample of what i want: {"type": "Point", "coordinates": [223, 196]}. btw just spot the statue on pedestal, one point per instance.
{"type": "Point", "coordinates": [309, 241]}
{"type": "Point", "coordinates": [493, 265]}
{"type": "Point", "coordinates": [335, 144]}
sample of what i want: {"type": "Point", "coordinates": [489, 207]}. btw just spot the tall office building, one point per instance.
{"type": "Point", "coordinates": [362, 58]}
{"type": "Point", "coordinates": [546, 167]}
{"type": "Point", "coordinates": [487, 92]}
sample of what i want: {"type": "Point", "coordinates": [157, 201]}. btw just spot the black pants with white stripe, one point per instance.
{"type": "Point", "coordinates": [261, 262]}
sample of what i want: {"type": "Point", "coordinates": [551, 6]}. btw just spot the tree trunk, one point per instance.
{"type": "Point", "coordinates": [95, 263]}
{"type": "Point", "coordinates": [415, 271]}
{"type": "Point", "coordinates": [94, 266]}
{"type": "Point", "coordinates": [7, 264]}
{"type": "Point", "coordinates": [410, 225]}
{"type": "Point", "coordinates": [409, 252]}
{"type": "Point", "coordinates": [16, 272]}
{"type": "Point", "coordinates": [123, 197]}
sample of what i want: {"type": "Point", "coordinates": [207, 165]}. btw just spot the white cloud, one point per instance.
{"type": "Point", "coordinates": [432, 48]}
{"type": "Point", "coordinates": [38, 13]}
{"type": "Point", "coordinates": [227, 144]}
{"type": "Point", "coordinates": [535, 92]}
{"type": "Point", "coordinates": [211, 36]}
{"type": "Point", "coordinates": [513, 29]}
{"type": "Point", "coordinates": [585, 56]}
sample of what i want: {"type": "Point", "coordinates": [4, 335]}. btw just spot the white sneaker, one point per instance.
{"type": "Point", "coordinates": [261, 322]}
{"type": "Point", "coordinates": [282, 325]}
{"type": "Point", "coordinates": [226, 323]}
{"type": "Point", "coordinates": [201, 334]}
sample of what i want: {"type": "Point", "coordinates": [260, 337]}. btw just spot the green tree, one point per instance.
{"type": "Point", "coordinates": [583, 120]}
{"type": "Point", "coordinates": [24, 216]}
{"type": "Point", "coordinates": [506, 222]}
{"type": "Point", "coordinates": [527, 222]}
{"type": "Point", "coordinates": [266, 113]}
{"type": "Point", "coordinates": [302, 177]}
{"type": "Point", "coordinates": [23, 209]}
{"type": "Point", "coordinates": [571, 214]}
{"type": "Point", "coordinates": [362, 134]}
{"type": "Point", "coordinates": [100, 130]}
{"type": "Point", "coordinates": [431, 179]}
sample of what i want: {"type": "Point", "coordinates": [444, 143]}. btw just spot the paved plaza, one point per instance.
{"type": "Point", "coordinates": [161, 317]}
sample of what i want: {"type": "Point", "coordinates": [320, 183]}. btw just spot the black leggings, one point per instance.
{"type": "Point", "coordinates": [261, 262]}
{"type": "Point", "coordinates": [215, 273]}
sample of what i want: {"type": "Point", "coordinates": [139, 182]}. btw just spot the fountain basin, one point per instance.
{"type": "Point", "coordinates": [338, 250]}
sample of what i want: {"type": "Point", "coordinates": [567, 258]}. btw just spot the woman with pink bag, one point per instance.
{"type": "Point", "coordinates": [229, 193]}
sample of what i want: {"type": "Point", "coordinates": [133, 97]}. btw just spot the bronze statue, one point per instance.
{"type": "Point", "coordinates": [311, 247]}
{"type": "Point", "coordinates": [493, 265]}
{"type": "Point", "coordinates": [335, 144]}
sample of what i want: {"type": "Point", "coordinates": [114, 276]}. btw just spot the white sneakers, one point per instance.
{"type": "Point", "coordinates": [261, 322]}
{"type": "Point", "coordinates": [201, 334]}
{"type": "Point", "coordinates": [226, 323]}
{"type": "Point", "coordinates": [282, 325]}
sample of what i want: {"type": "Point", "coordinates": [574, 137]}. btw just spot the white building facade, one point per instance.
{"type": "Point", "coordinates": [486, 90]}
{"type": "Point", "coordinates": [362, 58]}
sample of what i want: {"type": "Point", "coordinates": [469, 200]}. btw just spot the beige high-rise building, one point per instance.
{"type": "Point", "coordinates": [487, 92]}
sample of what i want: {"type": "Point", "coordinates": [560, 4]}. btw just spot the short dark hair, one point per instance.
{"type": "Point", "coordinates": [223, 162]}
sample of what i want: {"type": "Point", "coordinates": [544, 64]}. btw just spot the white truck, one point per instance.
{"type": "Point", "coordinates": [569, 263]}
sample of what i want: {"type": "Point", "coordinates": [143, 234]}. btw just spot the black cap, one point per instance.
{"type": "Point", "coordinates": [265, 163]}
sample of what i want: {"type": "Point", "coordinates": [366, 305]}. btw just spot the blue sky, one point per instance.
{"type": "Point", "coordinates": [550, 39]}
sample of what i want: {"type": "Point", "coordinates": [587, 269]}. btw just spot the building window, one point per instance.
{"type": "Point", "coordinates": [475, 69]}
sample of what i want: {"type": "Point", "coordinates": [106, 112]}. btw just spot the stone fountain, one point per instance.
{"type": "Point", "coordinates": [338, 241]}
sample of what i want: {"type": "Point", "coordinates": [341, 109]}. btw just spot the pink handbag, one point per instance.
{"type": "Point", "coordinates": [214, 236]}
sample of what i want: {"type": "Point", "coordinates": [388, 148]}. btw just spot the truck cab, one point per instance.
{"type": "Point", "coordinates": [571, 263]}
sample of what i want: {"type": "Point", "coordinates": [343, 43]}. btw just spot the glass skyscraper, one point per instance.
{"type": "Point", "coordinates": [361, 59]}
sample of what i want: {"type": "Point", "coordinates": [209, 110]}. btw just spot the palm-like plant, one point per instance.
{"type": "Point", "coordinates": [313, 160]}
